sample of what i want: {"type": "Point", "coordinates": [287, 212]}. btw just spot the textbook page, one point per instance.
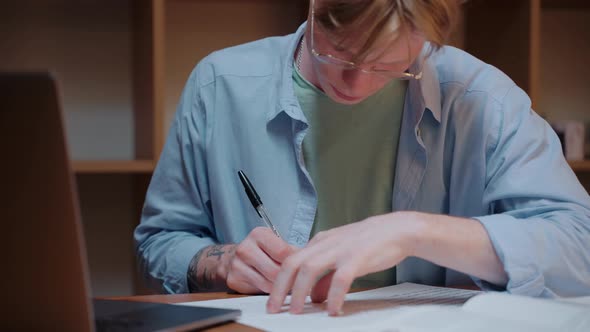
{"type": "Point", "coordinates": [492, 312]}
{"type": "Point", "coordinates": [374, 310]}
{"type": "Point", "coordinates": [579, 300]}
{"type": "Point", "coordinates": [546, 313]}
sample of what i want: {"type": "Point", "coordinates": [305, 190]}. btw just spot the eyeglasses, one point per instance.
{"type": "Point", "coordinates": [348, 65]}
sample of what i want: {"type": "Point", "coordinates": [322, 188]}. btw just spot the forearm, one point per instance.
{"type": "Point", "coordinates": [209, 267]}
{"type": "Point", "coordinates": [458, 243]}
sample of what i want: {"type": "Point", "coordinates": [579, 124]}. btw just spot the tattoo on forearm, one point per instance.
{"type": "Point", "coordinates": [193, 282]}
{"type": "Point", "coordinates": [216, 250]}
{"type": "Point", "coordinates": [202, 272]}
{"type": "Point", "coordinates": [206, 280]}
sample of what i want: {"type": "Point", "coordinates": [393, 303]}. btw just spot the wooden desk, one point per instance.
{"type": "Point", "coordinates": [178, 298]}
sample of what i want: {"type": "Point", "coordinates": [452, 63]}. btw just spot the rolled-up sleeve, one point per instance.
{"type": "Point", "coordinates": [540, 221]}
{"type": "Point", "coordinates": [176, 222]}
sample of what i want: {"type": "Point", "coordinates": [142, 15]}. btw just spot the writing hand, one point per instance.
{"type": "Point", "coordinates": [257, 261]}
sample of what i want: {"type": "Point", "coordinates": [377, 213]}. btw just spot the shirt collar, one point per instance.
{"type": "Point", "coordinates": [287, 102]}
{"type": "Point", "coordinates": [425, 92]}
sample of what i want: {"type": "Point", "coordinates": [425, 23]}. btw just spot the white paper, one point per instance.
{"type": "Point", "coordinates": [374, 310]}
{"type": "Point", "coordinates": [418, 308]}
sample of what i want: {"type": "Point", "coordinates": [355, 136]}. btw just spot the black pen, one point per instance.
{"type": "Point", "coordinates": [256, 202]}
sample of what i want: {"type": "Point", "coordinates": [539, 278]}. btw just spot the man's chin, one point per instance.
{"type": "Point", "coordinates": [342, 98]}
{"type": "Point", "coordinates": [344, 101]}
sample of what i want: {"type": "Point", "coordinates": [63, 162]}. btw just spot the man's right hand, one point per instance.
{"type": "Point", "coordinates": [249, 267]}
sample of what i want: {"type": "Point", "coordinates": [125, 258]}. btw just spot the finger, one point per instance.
{"type": "Point", "coordinates": [259, 260]}
{"type": "Point", "coordinates": [314, 260]}
{"type": "Point", "coordinates": [319, 292]}
{"type": "Point", "coordinates": [340, 285]}
{"type": "Point", "coordinates": [307, 275]}
{"type": "Point", "coordinates": [242, 273]}
{"type": "Point", "coordinates": [271, 244]}
{"type": "Point", "coordinates": [282, 285]}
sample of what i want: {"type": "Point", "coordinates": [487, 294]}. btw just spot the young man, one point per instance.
{"type": "Point", "coordinates": [402, 160]}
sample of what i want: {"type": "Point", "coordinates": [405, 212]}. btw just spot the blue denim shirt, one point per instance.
{"type": "Point", "coordinates": [470, 146]}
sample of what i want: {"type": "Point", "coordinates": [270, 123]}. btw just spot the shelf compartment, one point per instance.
{"type": "Point", "coordinates": [102, 56]}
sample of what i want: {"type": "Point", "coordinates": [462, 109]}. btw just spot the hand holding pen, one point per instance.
{"type": "Point", "coordinates": [251, 266]}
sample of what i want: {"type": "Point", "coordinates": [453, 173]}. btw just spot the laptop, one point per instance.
{"type": "Point", "coordinates": [44, 267]}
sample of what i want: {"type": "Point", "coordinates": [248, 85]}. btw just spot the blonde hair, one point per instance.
{"type": "Point", "coordinates": [376, 21]}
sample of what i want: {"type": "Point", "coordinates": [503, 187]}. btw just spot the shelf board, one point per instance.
{"type": "Point", "coordinates": [112, 166]}
{"type": "Point", "coordinates": [565, 4]}
{"type": "Point", "coordinates": [580, 166]}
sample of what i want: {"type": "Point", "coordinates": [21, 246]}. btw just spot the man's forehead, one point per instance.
{"type": "Point", "coordinates": [390, 38]}
{"type": "Point", "coordinates": [390, 48]}
{"type": "Point", "coordinates": [393, 23]}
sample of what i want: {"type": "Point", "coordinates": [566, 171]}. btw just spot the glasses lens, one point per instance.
{"type": "Point", "coordinates": [329, 59]}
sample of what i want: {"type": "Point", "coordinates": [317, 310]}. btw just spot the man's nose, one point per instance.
{"type": "Point", "coordinates": [354, 78]}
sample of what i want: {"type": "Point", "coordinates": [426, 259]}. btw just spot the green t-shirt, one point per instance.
{"type": "Point", "coordinates": [350, 153]}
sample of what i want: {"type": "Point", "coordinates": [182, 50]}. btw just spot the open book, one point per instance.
{"type": "Point", "coordinates": [500, 312]}
{"type": "Point", "coordinates": [418, 308]}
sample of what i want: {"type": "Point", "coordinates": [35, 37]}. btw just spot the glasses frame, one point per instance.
{"type": "Point", "coordinates": [349, 65]}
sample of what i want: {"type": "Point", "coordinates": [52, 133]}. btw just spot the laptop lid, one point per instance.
{"type": "Point", "coordinates": [44, 278]}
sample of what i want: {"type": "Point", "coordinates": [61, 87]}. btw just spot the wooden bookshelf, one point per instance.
{"type": "Point", "coordinates": [580, 166]}
{"type": "Point", "coordinates": [120, 67]}
{"type": "Point", "coordinates": [113, 167]}
{"type": "Point", "coordinates": [542, 45]}
{"type": "Point", "coordinates": [505, 33]}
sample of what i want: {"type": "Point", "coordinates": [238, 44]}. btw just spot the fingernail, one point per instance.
{"type": "Point", "coordinates": [270, 308]}
{"type": "Point", "coordinates": [337, 313]}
